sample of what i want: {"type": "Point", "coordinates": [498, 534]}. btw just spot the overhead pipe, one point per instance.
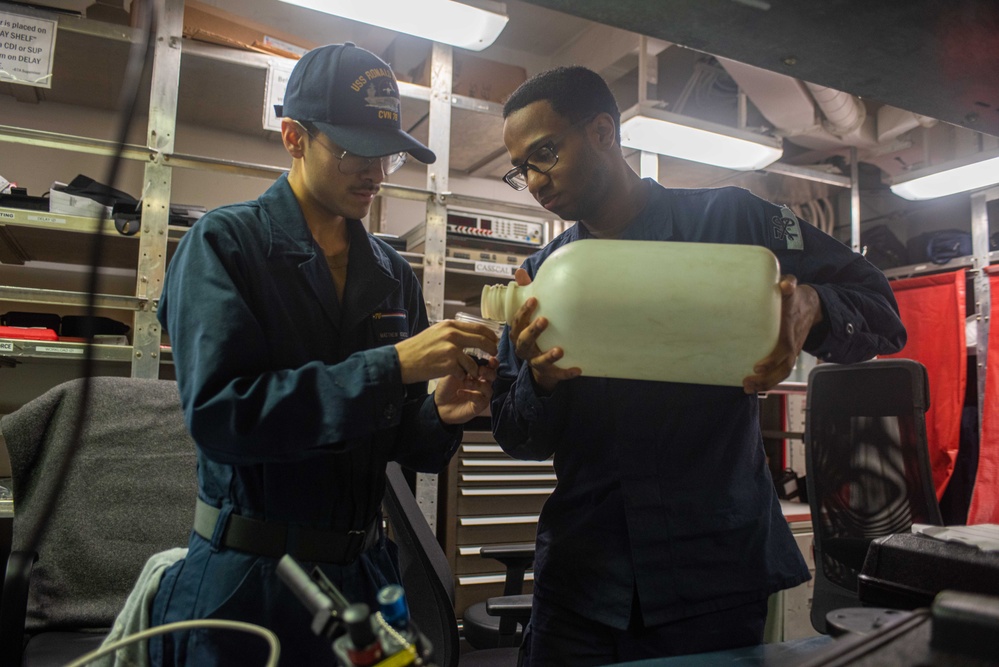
{"type": "Point", "coordinates": [790, 105]}
{"type": "Point", "coordinates": [844, 113]}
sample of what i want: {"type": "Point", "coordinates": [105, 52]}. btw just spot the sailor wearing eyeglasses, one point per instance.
{"type": "Point", "coordinates": [303, 352]}
{"type": "Point", "coordinates": [663, 535]}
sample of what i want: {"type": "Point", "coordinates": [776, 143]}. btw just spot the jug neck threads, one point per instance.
{"type": "Point", "coordinates": [496, 303]}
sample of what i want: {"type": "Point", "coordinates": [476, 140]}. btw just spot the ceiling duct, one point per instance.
{"type": "Point", "coordinates": [783, 101]}
{"type": "Point", "coordinates": [844, 113]}
{"type": "Point", "coordinates": [893, 121]}
{"type": "Point", "coordinates": [791, 106]}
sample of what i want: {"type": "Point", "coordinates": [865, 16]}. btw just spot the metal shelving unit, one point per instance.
{"type": "Point", "coordinates": [215, 87]}
{"type": "Point", "coordinates": [21, 349]}
{"type": "Point", "coordinates": [185, 83]}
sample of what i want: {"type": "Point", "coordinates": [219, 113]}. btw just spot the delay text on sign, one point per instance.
{"type": "Point", "coordinates": [27, 45]}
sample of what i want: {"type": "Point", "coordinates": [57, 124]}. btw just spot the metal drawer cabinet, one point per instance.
{"type": "Point", "coordinates": [491, 498]}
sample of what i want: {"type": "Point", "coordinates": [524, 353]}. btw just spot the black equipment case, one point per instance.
{"type": "Point", "coordinates": [960, 630]}
{"type": "Point", "coordinates": [906, 571]}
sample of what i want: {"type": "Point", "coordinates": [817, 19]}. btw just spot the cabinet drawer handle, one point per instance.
{"type": "Point", "coordinates": [481, 449]}
{"type": "Point", "coordinates": [545, 491]}
{"type": "Point", "coordinates": [497, 520]}
{"type": "Point", "coordinates": [479, 477]}
{"type": "Point", "coordinates": [506, 463]}
{"type": "Point", "coordinates": [489, 579]}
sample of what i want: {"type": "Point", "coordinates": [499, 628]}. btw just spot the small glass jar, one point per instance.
{"type": "Point", "coordinates": [481, 356]}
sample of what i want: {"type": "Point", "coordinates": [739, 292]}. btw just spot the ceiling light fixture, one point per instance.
{"type": "Point", "coordinates": [968, 173]}
{"type": "Point", "coordinates": [647, 128]}
{"type": "Point", "coordinates": [442, 21]}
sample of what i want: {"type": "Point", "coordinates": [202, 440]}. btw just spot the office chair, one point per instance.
{"type": "Point", "coordinates": [426, 577]}
{"type": "Point", "coordinates": [128, 495]}
{"type": "Point", "coordinates": [867, 468]}
{"type": "Point", "coordinates": [488, 630]}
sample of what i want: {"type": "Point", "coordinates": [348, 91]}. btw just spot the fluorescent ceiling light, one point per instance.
{"type": "Point", "coordinates": [650, 129]}
{"type": "Point", "coordinates": [969, 173]}
{"type": "Point", "coordinates": [442, 21]}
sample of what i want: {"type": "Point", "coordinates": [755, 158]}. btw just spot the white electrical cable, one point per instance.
{"type": "Point", "coordinates": [693, 85]}
{"type": "Point", "coordinates": [828, 220]}
{"type": "Point", "coordinates": [808, 212]}
{"type": "Point", "coordinates": [819, 212]}
{"type": "Point", "coordinates": [269, 637]}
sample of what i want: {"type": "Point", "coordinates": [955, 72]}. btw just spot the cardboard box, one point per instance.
{"type": "Point", "coordinates": [476, 77]}
{"type": "Point", "coordinates": [210, 24]}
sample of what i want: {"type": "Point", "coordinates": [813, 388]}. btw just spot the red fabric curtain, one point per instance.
{"type": "Point", "coordinates": [933, 311]}
{"type": "Point", "coordinates": [985, 497]}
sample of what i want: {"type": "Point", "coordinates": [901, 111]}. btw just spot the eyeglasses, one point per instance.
{"type": "Point", "coordinates": [349, 164]}
{"type": "Point", "coordinates": [542, 159]}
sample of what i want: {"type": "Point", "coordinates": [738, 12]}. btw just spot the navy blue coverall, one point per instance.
{"type": "Point", "coordinates": [296, 403]}
{"type": "Point", "coordinates": [663, 489]}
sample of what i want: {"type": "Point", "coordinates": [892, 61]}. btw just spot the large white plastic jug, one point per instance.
{"type": "Point", "coordinates": [651, 310]}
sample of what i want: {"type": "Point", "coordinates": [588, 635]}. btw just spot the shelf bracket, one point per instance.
{"type": "Point", "coordinates": [439, 130]}
{"type": "Point", "coordinates": [158, 179]}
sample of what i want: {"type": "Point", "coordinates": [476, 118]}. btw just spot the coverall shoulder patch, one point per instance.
{"type": "Point", "coordinates": [786, 230]}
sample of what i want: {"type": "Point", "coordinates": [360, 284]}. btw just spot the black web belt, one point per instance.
{"type": "Point", "coordinates": [271, 539]}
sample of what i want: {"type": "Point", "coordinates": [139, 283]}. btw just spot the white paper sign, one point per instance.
{"type": "Point", "coordinates": [278, 72]}
{"type": "Point", "coordinates": [6, 347]}
{"type": "Point", "coordinates": [27, 47]}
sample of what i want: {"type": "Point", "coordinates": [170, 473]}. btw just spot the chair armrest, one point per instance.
{"type": "Point", "coordinates": [513, 605]}
{"type": "Point", "coordinates": [14, 606]}
{"type": "Point", "coordinates": [513, 610]}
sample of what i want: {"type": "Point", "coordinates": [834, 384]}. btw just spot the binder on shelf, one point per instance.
{"type": "Point", "coordinates": [22, 319]}
{"type": "Point", "coordinates": [83, 196]}
{"type": "Point", "coordinates": [15, 197]}
{"type": "Point", "coordinates": [128, 218]}
{"type": "Point", "coordinates": [28, 333]}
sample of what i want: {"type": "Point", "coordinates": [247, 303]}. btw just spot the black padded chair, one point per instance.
{"type": "Point", "coordinates": [483, 629]}
{"type": "Point", "coordinates": [426, 576]}
{"type": "Point", "coordinates": [129, 494]}
{"type": "Point", "coordinates": [868, 468]}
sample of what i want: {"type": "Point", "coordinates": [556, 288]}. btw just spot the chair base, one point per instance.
{"type": "Point", "coordinates": [862, 620]}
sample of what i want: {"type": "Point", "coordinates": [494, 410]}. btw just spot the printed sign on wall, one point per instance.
{"type": "Point", "coordinates": [27, 46]}
{"type": "Point", "coordinates": [278, 72]}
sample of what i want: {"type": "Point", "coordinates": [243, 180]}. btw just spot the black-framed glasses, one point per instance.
{"type": "Point", "coordinates": [350, 164]}
{"type": "Point", "coordinates": [542, 159]}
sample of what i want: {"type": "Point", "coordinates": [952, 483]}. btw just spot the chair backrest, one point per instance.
{"type": "Point", "coordinates": [426, 575]}
{"type": "Point", "coordinates": [867, 465]}
{"type": "Point", "coordinates": [129, 493]}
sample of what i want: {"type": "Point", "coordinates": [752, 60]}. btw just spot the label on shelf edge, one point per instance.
{"type": "Point", "coordinates": [46, 218]}
{"type": "Point", "coordinates": [494, 269]}
{"type": "Point", "coordinates": [6, 346]}
{"type": "Point", "coordinates": [59, 350]}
